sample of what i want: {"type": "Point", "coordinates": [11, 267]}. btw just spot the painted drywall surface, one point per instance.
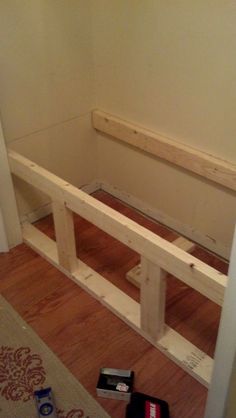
{"type": "Point", "coordinates": [231, 402]}
{"type": "Point", "coordinates": [9, 220]}
{"type": "Point", "coordinates": [66, 149]}
{"type": "Point", "coordinates": [46, 64]}
{"type": "Point", "coordinates": [170, 67]}
{"type": "Point", "coordinates": [208, 209]}
{"type": "Point", "coordinates": [164, 65]}
{"type": "Point", "coordinates": [223, 377]}
{"type": "Point", "coordinates": [46, 87]}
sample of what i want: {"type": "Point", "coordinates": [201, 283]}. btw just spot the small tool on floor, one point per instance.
{"type": "Point", "coordinates": [145, 406]}
{"type": "Point", "coordinates": [45, 403]}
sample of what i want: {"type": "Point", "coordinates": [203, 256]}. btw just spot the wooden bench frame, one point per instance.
{"type": "Point", "coordinates": [158, 257]}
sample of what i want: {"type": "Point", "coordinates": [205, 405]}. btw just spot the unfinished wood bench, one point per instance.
{"type": "Point", "coordinates": [158, 257]}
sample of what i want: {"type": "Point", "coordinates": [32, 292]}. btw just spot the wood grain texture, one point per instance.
{"type": "Point", "coordinates": [134, 275]}
{"type": "Point", "coordinates": [206, 165]}
{"type": "Point", "coordinates": [152, 299]}
{"type": "Point", "coordinates": [170, 258]}
{"type": "Point", "coordinates": [89, 336]}
{"type": "Point", "coordinates": [152, 327]}
{"type": "Point", "coordinates": [65, 237]}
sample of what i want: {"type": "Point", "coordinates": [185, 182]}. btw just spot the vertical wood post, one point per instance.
{"type": "Point", "coordinates": [64, 229]}
{"type": "Point", "coordinates": [152, 299]}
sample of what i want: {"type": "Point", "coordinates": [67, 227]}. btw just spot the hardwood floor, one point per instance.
{"type": "Point", "coordinates": [86, 336]}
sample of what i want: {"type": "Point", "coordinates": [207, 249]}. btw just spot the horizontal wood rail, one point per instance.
{"type": "Point", "coordinates": [193, 272]}
{"type": "Point", "coordinates": [134, 276]}
{"type": "Point", "coordinates": [210, 167]}
{"type": "Point", "coordinates": [173, 345]}
{"type": "Point", "coordinates": [158, 257]}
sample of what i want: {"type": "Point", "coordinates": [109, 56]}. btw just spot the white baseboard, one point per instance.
{"type": "Point", "coordinates": [46, 209]}
{"type": "Point", "coordinates": [91, 187]}
{"type": "Point", "coordinates": [184, 230]}
{"type": "Point", "coordinates": [37, 214]}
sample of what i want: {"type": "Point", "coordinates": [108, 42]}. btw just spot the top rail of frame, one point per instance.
{"type": "Point", "coordinates": [208, 166]}
{"type": "Point", "coordinates": [196, 274]}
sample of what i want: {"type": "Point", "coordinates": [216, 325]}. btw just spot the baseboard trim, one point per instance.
{"type": "Point", "coordinates": [46, 209]}
{"type": "Point", "coordinates": [92, 187]}
{"type": "Point", "coordinates": [37, 214]}
{"type": "Point", "coordinates": [183, 229]}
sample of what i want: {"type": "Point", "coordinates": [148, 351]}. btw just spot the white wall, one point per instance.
{"type": "Point", "coordinates": [170, 67]}
{"type": "Point", "coordinates": [231, 400]}
{"type": "Point", "coordinates": [46, 88]}
{"type": "Point", "coordinates": [10, 231]}
{"type": "Point", "coordinates": [221, 398]}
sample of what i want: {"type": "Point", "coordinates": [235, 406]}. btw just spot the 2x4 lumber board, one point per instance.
{"type": "Point", "coordinates": [175, 261]}
{"type": "Point", "coordinates": [195, 362]}
{"type": "Point", "coordinates": [90, 281]}
{"type": "Point", "coordinates": [208, 166]}
{"type": "Point", "coordinates": [152, 299]}
{"type": "Point", "coordinates": [134, 275]}
{"type": "Point", "coordinates": [65, 237]}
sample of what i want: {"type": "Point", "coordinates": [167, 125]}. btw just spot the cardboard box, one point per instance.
{"type": "Point", "coordinates": [115, 383]}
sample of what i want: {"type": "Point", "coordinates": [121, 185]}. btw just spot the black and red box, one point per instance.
{"type": "Point", "coordinates": [144, 406]}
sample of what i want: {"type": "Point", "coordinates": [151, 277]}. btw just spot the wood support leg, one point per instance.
{"type": "Point", "coordinates": [172, 344]}
{"type": "Point", "coordinates": [64, 229]}
{"type": "Point", "coordinates": [134, 275]}
{"type": "Point", "coordinates": [153, 296]}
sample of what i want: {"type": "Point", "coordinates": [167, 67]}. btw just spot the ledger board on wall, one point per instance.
{"type": "Point", "coordinates": [143, 147]}
{"type": "Point", "coordinates": [170, 68]}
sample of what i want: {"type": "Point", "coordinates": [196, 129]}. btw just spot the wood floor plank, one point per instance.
{"type": "Point", "coordinates": [86, 336]}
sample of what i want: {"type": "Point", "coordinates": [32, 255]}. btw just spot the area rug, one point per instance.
{"type": "Point", "coordinates": [27, 364]}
